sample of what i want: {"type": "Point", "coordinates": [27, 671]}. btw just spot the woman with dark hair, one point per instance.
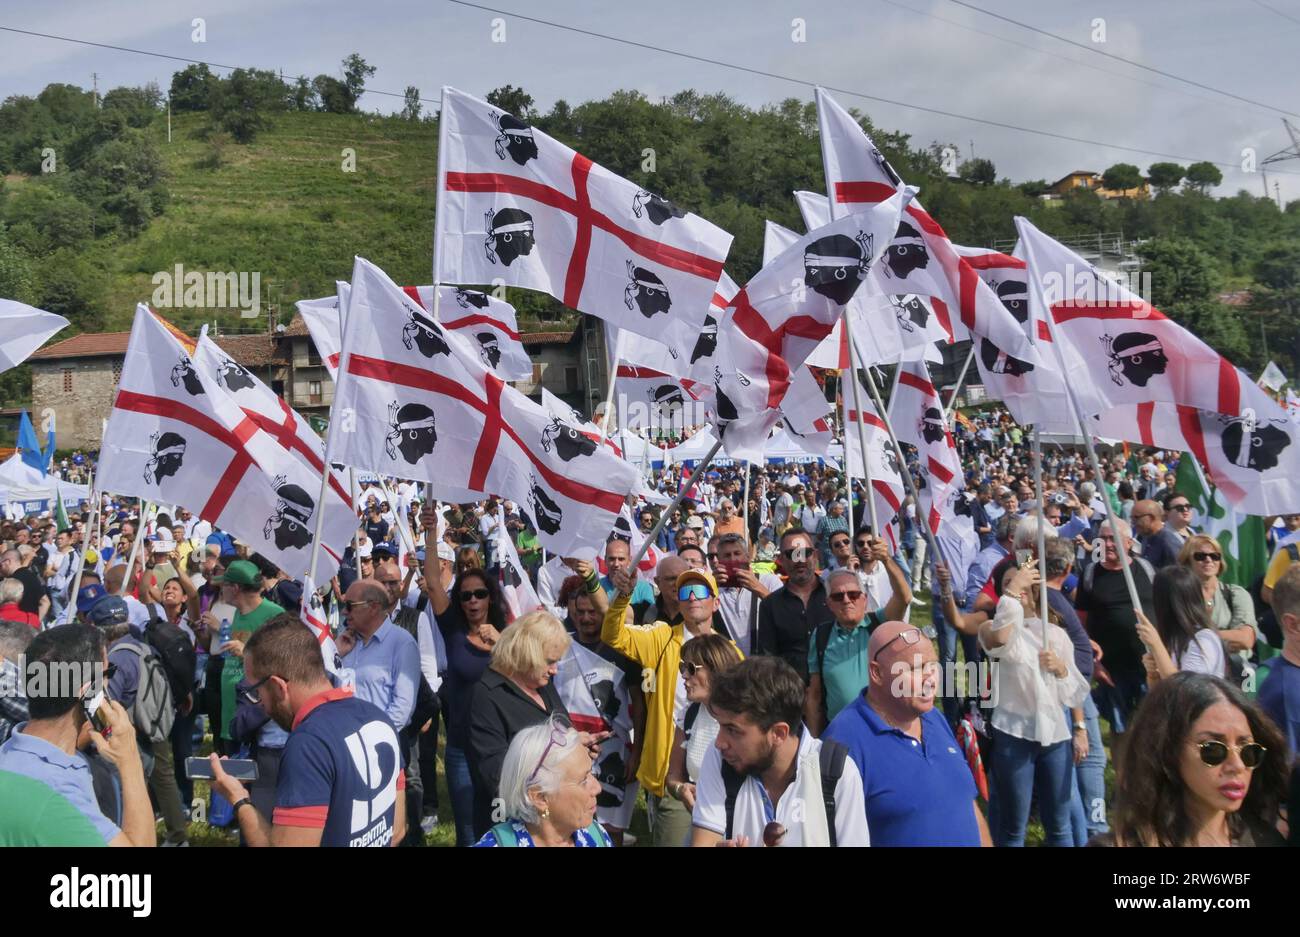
{"type": "Point", "coordinates": [1182, 637]}
{"type": "Point", "coordinates": [1200, 765]}
{"type": "Point", "coordinates": [703, 658]}
{"type": "Point", "coordinates": [1127, 498]}
{"type": "Point", "coordinates": [471, 620]}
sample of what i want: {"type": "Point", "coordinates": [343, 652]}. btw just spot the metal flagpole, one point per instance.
{"type": "Point", "coordinates": [961, 378]}
{"type": "Point", "coordinates": [666, 513]}
{"type": "Point", "coordinates": [612, 361]}
{"type": "Point", "coordinates": [356, 539]}
{"type": "Point", "coordinates": [745, 495]}
{"type": "Point", "coordinates": [437, 239]}
{"type": "Point", "coordinates": [868, 490]}
{"type": "Point", "coordinates": [1042, 532]}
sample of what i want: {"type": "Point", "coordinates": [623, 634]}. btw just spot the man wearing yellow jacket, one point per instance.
{"type": "Point", "coordinates": [658, 649]}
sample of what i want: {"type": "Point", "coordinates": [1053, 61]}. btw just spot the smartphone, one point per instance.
{"type": "Point", "coordinates": [241, 769]}
{"type": "Point", "coordinates": [93, 707]}
{"type": "Point", "coordinates": [731, 569]}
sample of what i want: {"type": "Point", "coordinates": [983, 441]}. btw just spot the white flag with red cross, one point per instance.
{"type": "Point", "coordinates": [519, 207]}
{"type": "Point", "coordinates": [886, 482]}
{"type": "Point", "coordinates": [290, 432]}
{"type": "Point", "coordinates": [1033, 392]}
{"type": "Point", "coordinates": [917, 416]}
{"type": "Point", "coordinates": [1118, 349]}
{"type": "Point", "coordinates": [176, 436]}
{"type": "Point", "coordinates": [414, 402]}
{"type": "Point", "coordinates": [312, 614]}
{"type": "Point", "coordinates": [920, 258]}
{"type": "Point", "coordinates": [322, 318]}
{"type": "Point", "coordinates": [1252, 458]}
{"type": "Point", "coordinates": [783, 313]}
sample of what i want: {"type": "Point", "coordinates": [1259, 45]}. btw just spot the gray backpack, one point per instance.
{"type": "Point", "coordinates": [153, 713]}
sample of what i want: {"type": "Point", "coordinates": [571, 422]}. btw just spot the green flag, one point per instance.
{"type": "Point", "coordinates": [60, 512]}
{"type": "Point", "coordinates": [1240, 536]}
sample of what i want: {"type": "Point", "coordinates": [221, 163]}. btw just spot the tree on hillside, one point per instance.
{"type": "Point", "coordinates": [243, 102]}
{"type": "Point", "coordinates": [1034, 187]}
{"type": "Point", "coordinates": [979, 171]}
{"type": "Point", "coordinates": [1121, 177]}
{"type": "Point", "coordinates": [332, 94]}
{"type": "Point", "coordinates": [192, 88]}
{"type": "Point", "coordinates": [512, 100]}
{"type": "Point", "coordinates": [303, 97]}
{"type": "Point", "coordinates": [1165, 176]}
{"type": "Point", "coordinates": [1184, 286]}
{"type": "Point", "coordinates": [138, 105]}
{"type": "Point", "coordinates": [1203, 176]}
{"type": "Point", "coordinates": [355, 73]}
{"type": "Point", "coordinates": [1276, 299]}
{"type": "Point", "coordinates": [411, 103]}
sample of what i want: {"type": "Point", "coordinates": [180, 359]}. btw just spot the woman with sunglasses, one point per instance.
{"type": "Point", "coordinates": [1232, 610]}
{"type": "Point", "coordinates": [1200, 765]}
{"type": "Point", "coordinates": [1182, 638]}
{"type": "Point", "coordinates": [548, 791]}
{"type": "Point", "coordinates": [471, 620]}
{"type": "Point", "coordinates": [1037, 682]}
{"type": "Point", "coordinates": [696, 729]}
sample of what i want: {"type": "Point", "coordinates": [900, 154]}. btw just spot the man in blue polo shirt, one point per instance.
{"type": "Point", "coordinates": [340, 781]}
{"type": "Point", "coordinates": [382, 659]}
{"type": "Point", "coordinates": [917, 787]}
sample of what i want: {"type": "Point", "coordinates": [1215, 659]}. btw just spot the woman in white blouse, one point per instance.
{"type": "Point", "coordinates": [1183, 636]}
{"type": "Point", "coordinates": [1035, 683]}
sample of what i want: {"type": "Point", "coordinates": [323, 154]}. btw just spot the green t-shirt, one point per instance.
{"type": "Point", "coordinates": [528, 547]}
{"type": "Point", "coordinates": [233, 671]}
{"type": "Point", "coordinates": [34, 814]}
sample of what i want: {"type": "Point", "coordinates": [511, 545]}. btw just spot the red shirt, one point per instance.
{"type": "Point", "coordinates": [12, 612]}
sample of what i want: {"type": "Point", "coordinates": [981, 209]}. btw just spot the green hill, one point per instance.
{"type": "Point", "coordinates": [282, 206]}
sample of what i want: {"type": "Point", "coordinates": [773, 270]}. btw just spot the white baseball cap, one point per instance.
{"type": "Point", "coordinates": [445, 552]}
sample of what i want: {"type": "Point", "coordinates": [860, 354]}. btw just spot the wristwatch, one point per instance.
{"type": "Point", "coordinates": [1080, 727]}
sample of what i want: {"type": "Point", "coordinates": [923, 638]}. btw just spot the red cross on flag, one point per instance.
{"type": "Point", "coordinates": [783, 313]}
{"type": "Point", "coordinates": [312, 614]}
{"type": "Point", "coordinates": [175, 436]}
{"type": "Point", "coordinates": [886, 483]}
{"type": "Point", "coordinates": [916, 414]}
{"type": "Point", "coordinates": [519, 207]}
{"type": "Point", "coordinates": [321, 316]}
{"type": "Point", "coordinates": [920, 258]}
{"type": "Point", "coordinates": [414, 402]}
{"type": "Point", "coordinates": [1252, 459]}
{"type": "Point", "coordinates": [1034, 393]}
{"type": "Point", "coordinates": [289, 431]}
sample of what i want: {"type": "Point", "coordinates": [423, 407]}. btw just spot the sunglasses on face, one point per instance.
{"type": "Point", "coordinates": [851, 595]}
{"type": "Point", "coordinates": [796, 554]}
{"type": "Point", "coordinates": [695, 590]}
{"type": "Point", "coordinates": [688, 669]}
{"type": "Point", "coordinates": [1202, 557]}
{"type": "Point", "coordinates": [911, 637]}
{"type": "Point", "coordinates": [349, 606]}
{"type": "Point", "coordinates": [1180, 507]}
{"type": "Point", "coordinates": [468, 594]}
{"type": "Point", "coordinates": [1215, 753]}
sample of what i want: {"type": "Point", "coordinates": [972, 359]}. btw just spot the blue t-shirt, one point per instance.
{"type": "Point", "coordinates": [917, 793]}
{"type": "Point", "coordinates": [340, 772]}
{"type": "Point", "coordinates": [524, 838]}
{"type": "Point", "coordinates": [68, 775]}
{"type": "Point", "coordinates": [642, 592]}
{"type": "Point", "coordinates": [1279, 697]}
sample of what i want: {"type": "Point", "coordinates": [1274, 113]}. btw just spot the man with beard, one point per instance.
{"type": "Point", "coordinates": [756, 786]}
{"type": "Point", "coordinates": [321, 785]}
{"type": "Point", "coordinates": [787, 617]}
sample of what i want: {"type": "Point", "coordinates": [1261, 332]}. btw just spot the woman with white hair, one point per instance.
{"type": "Point", "coordinates": [548, 791]}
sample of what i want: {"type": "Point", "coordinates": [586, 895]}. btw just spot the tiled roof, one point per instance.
{"type": "Point", "coordinates": [253, 351]}
{"type": "Point", "coordinates": [547, 338]}
{"type": "Point", "coordinates": [296, 328]}
{"type": "Point", "coordinates": [86, 345]}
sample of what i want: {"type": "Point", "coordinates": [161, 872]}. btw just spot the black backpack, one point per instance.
{"type": "Point", "coordinates": [830, 758]}
{"type": "Point", "coordinates": [175, 650]}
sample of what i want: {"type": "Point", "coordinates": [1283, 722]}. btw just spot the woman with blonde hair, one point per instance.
{"type": "Point", "coordinates": [514, 693]}
{"type": "Point", "coordinates": [548, 791]}
{"type": "Point", "coordinates": [1230, 607]}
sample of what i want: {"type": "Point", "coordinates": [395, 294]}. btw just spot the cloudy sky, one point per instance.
{"type": "Point", "coordinates": [924, 53]}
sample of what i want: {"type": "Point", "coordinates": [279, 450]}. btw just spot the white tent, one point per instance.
{"type": "Point", "coordinates": [783, 447]}
{"type": "Point", "coordinates": [24, 490]}
{"type": "Point", "coordinates": [693, 449]}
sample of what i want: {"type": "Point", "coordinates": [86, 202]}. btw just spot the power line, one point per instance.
{"type": "Point", "coordinates": [847, 91]}
{"type": "Point", "coordinates": [1064, 58]}
{"type": "Point", "coordinates": [1120, 58]}
{"type": "Point", "coordinates": [176, 58]}
{"type": "Point", "coordinates": [1273, 9]}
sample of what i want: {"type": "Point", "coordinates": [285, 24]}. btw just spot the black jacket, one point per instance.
{"type": "Point", "coordinates": [498, 710]}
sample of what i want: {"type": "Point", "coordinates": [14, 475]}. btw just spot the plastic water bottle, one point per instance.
{"type": "Point", "coordinates": [223, 636]}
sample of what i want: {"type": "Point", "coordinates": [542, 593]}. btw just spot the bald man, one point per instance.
{"type": "Point", "coordinates": [666, 607]}
{"type": "Point", "coordinates": [1160, 545]}
{"type": "Point", "coordinates": [917, 786]}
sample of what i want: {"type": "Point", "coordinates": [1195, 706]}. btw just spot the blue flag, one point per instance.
{"type": "Point", "coordinates": [31, 449]}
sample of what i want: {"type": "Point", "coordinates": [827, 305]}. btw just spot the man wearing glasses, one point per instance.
{"type": "Point", "coordinates": [383, 658]}
{"type": "Point", "coordinates": [741, 590]}
{"type": "Point", "coordinates": [837, 649]}
{"type": "Point", "coordinates": [917, 787]}
{"type": "Point", "coordinates": [1178, 516]}
{"type": "Point", "coordinates": [1160, 545]}
{"type": "Point", "coordinates": [878, 575]}
{"type": "Point", "coordinates": [788, 615]}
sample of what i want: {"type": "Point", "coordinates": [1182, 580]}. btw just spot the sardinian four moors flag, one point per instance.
{"type": "Point", "coordinates": [920, 258]}
{"type": "Point", "coordinates": [1119, 351]}
{"type": "Point", "coordinates": [23, 329]}
{"type": "Point", "coordinates": [486, 323]}
{"type": "Point", "coordinates": [1033, 392]}
{"type": "Point", "coordinates": [176, 436]}
{"type": "Point", "coordinates": [882, 460]}
{"type": "Point", "coordinates": [917, 417]}
{"type": "Point", "coordinates": [416, 403]}
{"type": "Point", "coordinates": [289, 431]}
{"type": "Point", "coordinates": [518, 206]}
{"type": "Point", "coordinates": [312, 614]}
{"type": "Point", "coordinates": [783, 313]}
{"type": "Point", "coordinates": [516, 587]}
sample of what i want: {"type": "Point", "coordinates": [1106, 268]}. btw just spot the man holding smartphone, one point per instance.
{"type": "Point", "coordinates": [739, 589]}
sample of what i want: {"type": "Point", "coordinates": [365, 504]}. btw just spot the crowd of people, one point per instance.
{"type": "Point", "coordinates": [771, 671]}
